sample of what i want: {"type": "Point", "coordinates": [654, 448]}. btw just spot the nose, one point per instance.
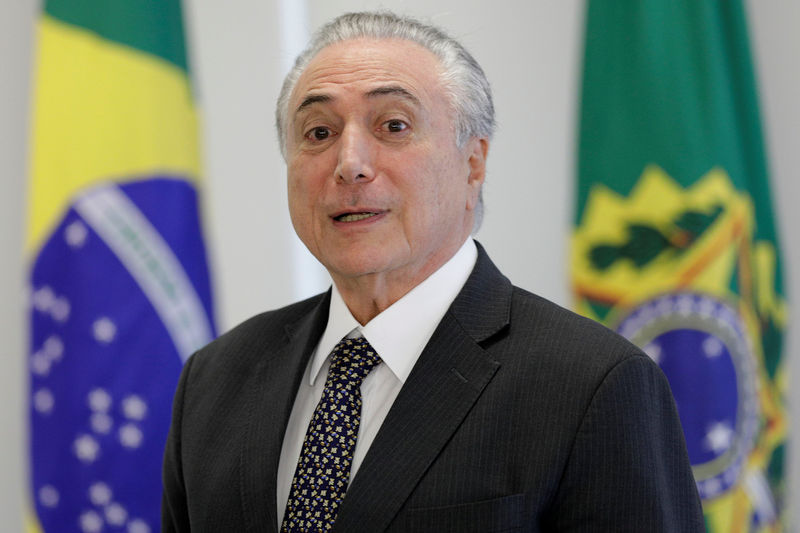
{"type": "Point", "coordinates": [355, 163]}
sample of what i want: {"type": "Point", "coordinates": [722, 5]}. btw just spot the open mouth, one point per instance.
{"type": "Point", "coordinates": [354, 217]}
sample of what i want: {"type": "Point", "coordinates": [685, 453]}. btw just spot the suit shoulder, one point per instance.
{"type": "Point", "coordinates": [566, 337]}
{"type": "Point", "coordinates": [263, 332]}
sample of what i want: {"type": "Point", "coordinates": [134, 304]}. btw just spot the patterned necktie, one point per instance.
{"type": "Point", "coordinates": [323, 470]}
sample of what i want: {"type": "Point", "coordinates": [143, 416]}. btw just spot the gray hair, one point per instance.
{"type": "Point", "coordinates": [463, 79]}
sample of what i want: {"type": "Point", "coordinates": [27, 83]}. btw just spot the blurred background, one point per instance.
{"type": "Point", "coordinates": [239, 51]}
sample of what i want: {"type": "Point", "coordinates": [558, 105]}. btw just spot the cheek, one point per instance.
{"type": "Point", "coordinates": [429, 199]}
{"type": "Point", "coordinates": [301, 182]}
{"type": "Point", "coordinates": [448, 187]}
{"type": "Point", "coordinates": [300, 198]}
{"type": "Point", "coordinates": [428, 189]}
{"type": "Point", "coordinates": [301, 211]}
{"type": "Point", "coordinates": [307, 182]}
{"type": "Point", "coordinates": [295, 194]}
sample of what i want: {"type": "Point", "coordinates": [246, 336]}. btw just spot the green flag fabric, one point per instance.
{"type": "Point", "coordinates": [674, 244]}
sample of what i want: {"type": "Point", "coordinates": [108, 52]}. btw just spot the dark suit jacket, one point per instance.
{"type": "Point", "coordinates": [518, 416]}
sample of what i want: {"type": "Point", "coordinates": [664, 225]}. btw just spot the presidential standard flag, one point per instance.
{"type": "Point", "coordinates": [120, 292]}
{"type": "Point", "coordinates": [675, 245]}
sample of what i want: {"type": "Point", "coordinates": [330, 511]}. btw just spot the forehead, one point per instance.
{"type": "Point", "coordinates": [366, 64]}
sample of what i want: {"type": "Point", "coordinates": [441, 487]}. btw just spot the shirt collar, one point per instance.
{"type": "Point", "coordinates": [402, 330]}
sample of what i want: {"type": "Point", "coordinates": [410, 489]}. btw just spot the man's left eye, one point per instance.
{"type": "Point", "coordinates": [395, 126]}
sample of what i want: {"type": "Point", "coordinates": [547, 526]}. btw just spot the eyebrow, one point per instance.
{"type": "Point", "coordinates": [312, 99]}
{"type": "Point", "coordinates": [393, 90]}
{"type": "Point", "coordinates": [380, 91]}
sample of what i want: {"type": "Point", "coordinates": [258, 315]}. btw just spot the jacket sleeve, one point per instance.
{"type": "Point", "coordinates": [174, 508]}
{"type": "Point", "coordinates": [628, 469]}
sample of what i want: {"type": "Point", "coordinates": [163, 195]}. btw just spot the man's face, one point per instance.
{"type": "Point", "coordinates": [377, 185]}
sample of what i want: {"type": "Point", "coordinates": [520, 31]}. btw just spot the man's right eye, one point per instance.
{"type": "Point", "coordinates": [320, 133]}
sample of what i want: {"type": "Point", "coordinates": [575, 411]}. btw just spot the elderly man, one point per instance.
{"type": "Point", "coordinates": [422, 392]}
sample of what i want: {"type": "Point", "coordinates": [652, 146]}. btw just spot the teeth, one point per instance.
{"type": "Point", "coordinates": [354, 217]}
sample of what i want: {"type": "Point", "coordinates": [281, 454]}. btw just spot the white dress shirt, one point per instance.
{"type": "Point", "coordinates": [398, 335]}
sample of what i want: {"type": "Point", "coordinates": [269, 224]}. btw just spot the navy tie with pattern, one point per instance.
{"type": "Point", "coordinates": [323, 470]}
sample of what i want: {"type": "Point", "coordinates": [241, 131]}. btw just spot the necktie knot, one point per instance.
{"type": "Point", "coordinates": [352, 360]}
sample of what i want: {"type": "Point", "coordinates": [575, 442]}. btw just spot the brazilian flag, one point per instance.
{"type": "Point", "coordinates": [674, 244]}
{"type": "Point", "coordinates": [119, 288]}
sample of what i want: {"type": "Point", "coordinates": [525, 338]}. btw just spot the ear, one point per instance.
{"type": "Point", "coordinates": [476, 151]}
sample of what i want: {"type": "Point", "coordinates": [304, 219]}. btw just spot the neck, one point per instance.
{"type": "Point", "coordinates": [367, 298]}
{"type": "Point", "coordinates": [368, 295]}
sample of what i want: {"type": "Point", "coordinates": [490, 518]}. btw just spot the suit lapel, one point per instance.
{"type": "Point", "coordinates": [275, 383]}
{"type": "Point", "coordinates": [449, 377]}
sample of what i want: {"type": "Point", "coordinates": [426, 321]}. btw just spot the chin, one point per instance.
{"type": "Point", "coordinates": [353, 269]}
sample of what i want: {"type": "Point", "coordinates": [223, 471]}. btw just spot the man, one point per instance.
{"type": "Point", "coordinates": [423, 392]}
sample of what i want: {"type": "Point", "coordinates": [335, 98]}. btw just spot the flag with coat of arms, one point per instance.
{"type": "Point", "coordinates": [674, 244]}
{"type": "Point", "coordinates": [120, 291]}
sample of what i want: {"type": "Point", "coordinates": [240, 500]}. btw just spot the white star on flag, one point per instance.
{"type": "Point", "coordinates": [134, 407]}
{"type": "Point", "coordinates": [49, 496]}
{"type": "Point", "coordinates": [91, 522]}
{"type": "Point", "coordinates": [75, 234]}
{"type": "Point", "coordinates": [99, 400]}
{"type": "Point", "coordinates": [712, 347]}
{"type": "Point", "coordinates": [100, 493]}
{"type": "Point", "coordinates": [101, 423]}
{"type": "Point", "coordinates": [654, 351]}
{"type": "Point", "coordinates": [86, 448]}
{"type": "Point", "coordinates": [719, 437]}
{"type": "Point", "coordinates": [130, 436]}
{"type": "Point", "coordinates": [104, 330]}
{"type": "Point", "coordinates": [43, 401]}
{"type": "Point", "coordinates": [116, 514]}
{"type": "Point", "coordinates": [43, 299]}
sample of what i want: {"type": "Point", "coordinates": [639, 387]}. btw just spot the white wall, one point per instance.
{"type": "Point", "coordinates": [530, 50]}
{"type": "Point", "coordinates": [776, 45]}
{"type": "Point", "coordinates": [16, 39]}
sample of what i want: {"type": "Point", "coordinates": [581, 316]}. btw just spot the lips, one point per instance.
{"type": "Point", "coordinates": [355, 216]}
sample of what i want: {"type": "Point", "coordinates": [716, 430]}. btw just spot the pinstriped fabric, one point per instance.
{"type": "Point", "coordinates": [519, 416]}
{"type": "Point", "coordinates": [452, 378]}
{"type": "Point", "coordinates": [323, 470]}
